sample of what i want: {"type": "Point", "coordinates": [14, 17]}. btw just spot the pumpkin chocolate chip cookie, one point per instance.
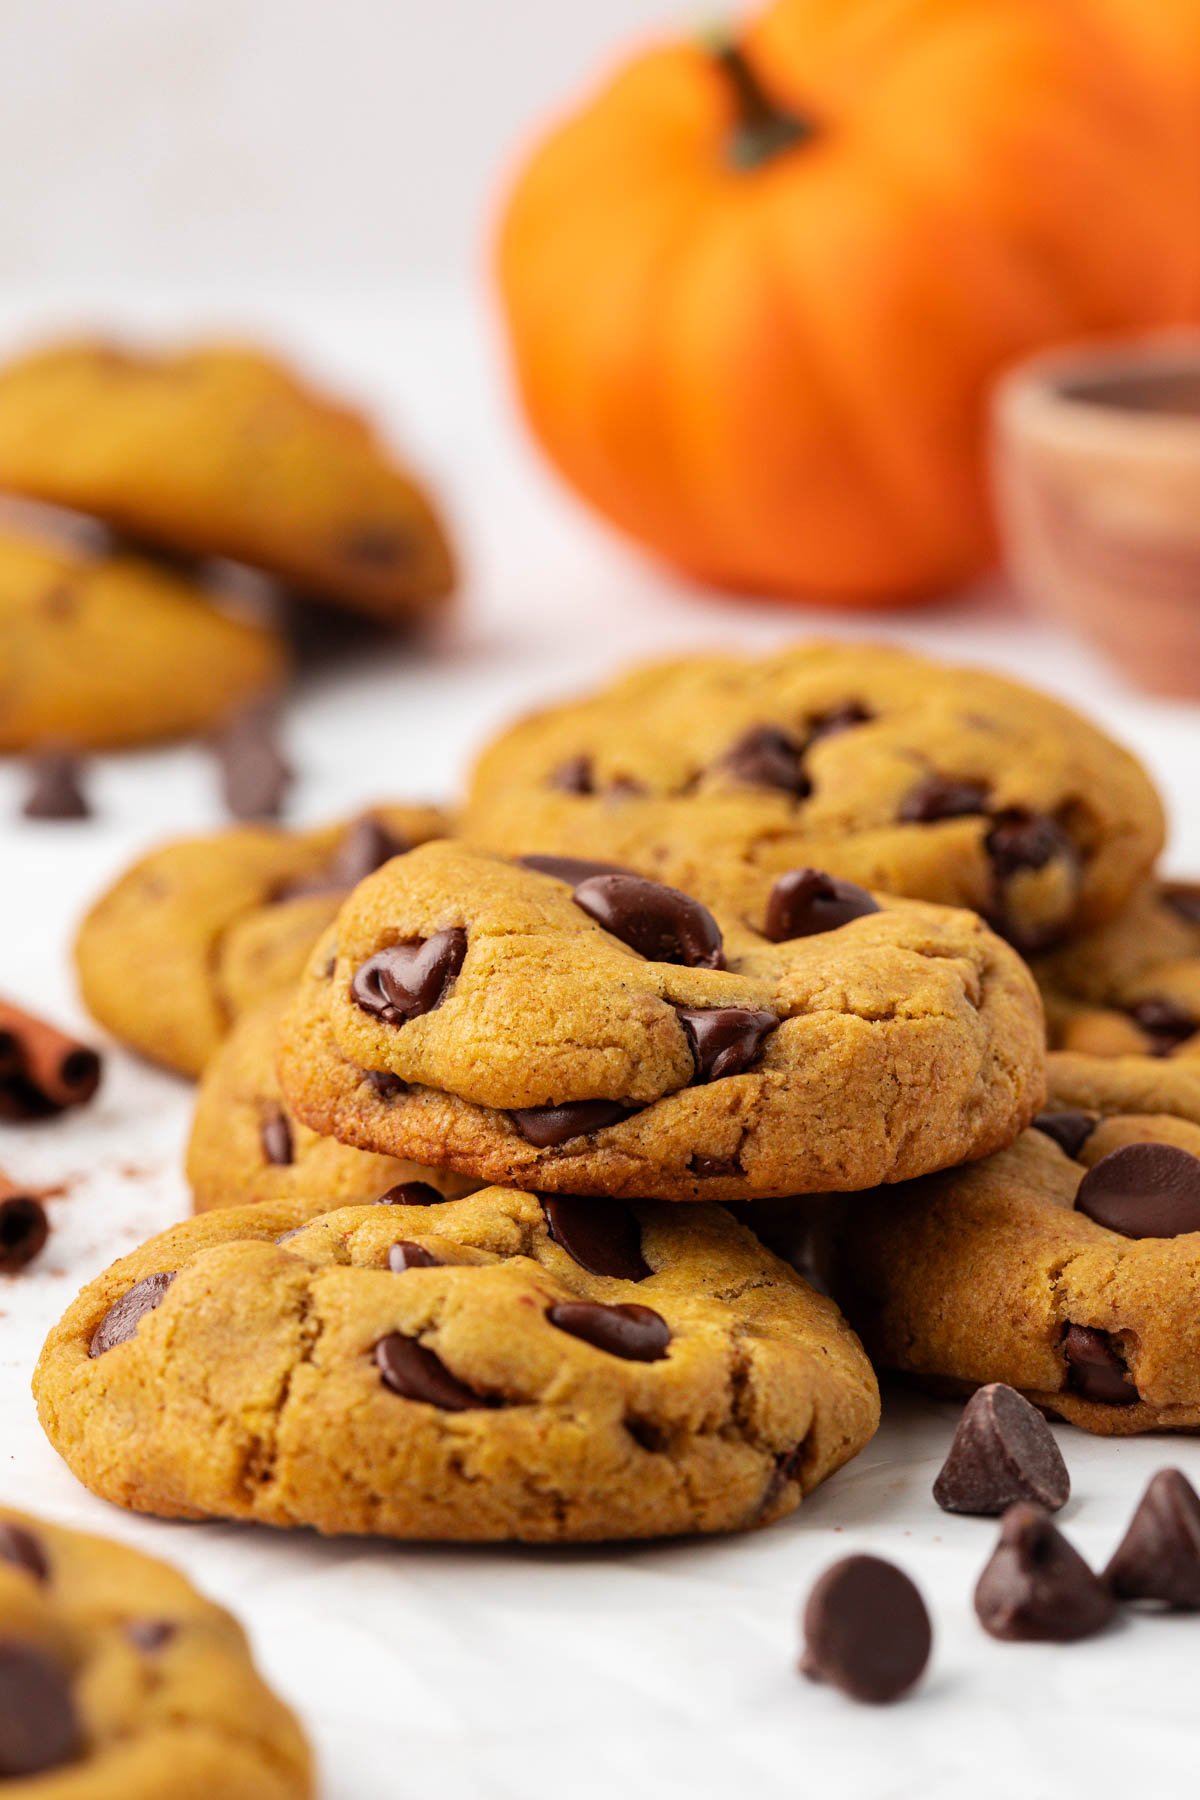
{"type": "Point", "coordinates": [118, 1678]}
{"type": "Point", "coordinates": [199, 931]}
{"type": "Point", "coordinates": [1067, 1266]}
{"type": "Point", "coordinates": [717, 774]}
{"type": "Point", "coordinates": [497, 1367]}
{"type": "Point", "coordinates": [102, 652]}
{"type": "Point", "coordinates": [595, 1032]}
{"type": "Point", "coordinates": [1131, 987]}
{"type": "Point", "coordinates": [223, 451]}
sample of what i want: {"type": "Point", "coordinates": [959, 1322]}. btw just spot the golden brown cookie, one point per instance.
{"type": "Point", "coordinates": [199, 931]}
{"type": "Point", "coordinates": [246, 1146]}
{"type": "Point", "coordinates": [612, 1036]}
{"type": "Point", "coordinates": [492, 1368]}
{"type": "Point", "coordinates": [1131, 987]}
{"type": "Point", "coordinates": [117, 1679]}
{"type": "Point", "coordinates": [222, 450]}
{"type": "Point", "coordinates": [1067, 1266]}
{"type": "Point", "coordinates": [719, 773]}
{"type": "Point", "coordinates": [102, 652]}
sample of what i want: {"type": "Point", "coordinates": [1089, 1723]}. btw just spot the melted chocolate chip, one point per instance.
{"type": "Point", "coordinates": [806, 901]}
{"type": "Point", "coordinates": [660, 923]}
{"type": "Point", "coordinates": [275, 1134]}
{"type": "Point", "coordinates": [637, 1333]}
{"type": "Point", "coordinates": [366, 845]}
{"type": "Point", "coordinates": [408, 980]}
{"type": "Point", "coordinates": [942, 797]}
{"type": "Point", "coordinates": [602, 1236]}
{"type": "Point", "coordinates": [56, 787]}
{"type": "Point", "coordinates": [24, 1229]}
{"type": "Point", "coordinates": [1095, 1367]}
{"type": "Point", "coordinates": [1037, 1587]}
{"type": "Point", "coordinates": [406, 1255]}
{"type": "Point", "coordinates": [1003, 1451]}
{"type": "Point", "coordinates": [545, 1127]}
{"type": "Point", "coordinates": [571, 869]}
{"type": "Point", "coordinates": [765, 756]}
{"type": "Point", "coordinates": [573, 777]}
{"type": "Point", "coordinates": [866, 1630]}
{"type": "Point", "coordinates": [1159, 1556]}
{"type": "Point", "coordinates": [1020, 840]}
{"type": "Point", "coordinates": [1143, 1191]}
{"type": "Point", "coordinates": [1069, 1129]}
{"type": "Point", "coordinates": [411, 1193]}
{"type": "Point", "coordinates": [708, 1168]}
{"type": "Point", "coordinates": [122, 1320]}
{"type": "Point", "coordinates": [416, 1373]}
{"type": "Point", "coordinates": [24, 1551]}
{"type": "Point", "coordinates": [1164, 1023]}
{"type": "Point", "coordinates": [39, 1728]}
{"type": "Point", "coordinates": [385, 1084]}
{"type": "Point", "coordinates": [724, 1040]}
{"type": "Point", "coordinates": [838, 719]}
{"type": "Point", "coordinates": [149, 1635]}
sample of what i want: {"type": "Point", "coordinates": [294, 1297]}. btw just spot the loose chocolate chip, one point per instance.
{"type": "Point", "coordinates": [1143, 1191]}
{"type": "Point", "coordinates": [24, 1229]}
{"type": "Point", "coordinates": [255, 776]}
{"type": "Point", "coordinates": [1020, 840]}
{"type": "Point", "coordinates": [571, 869]}
{"type": "Point", "coordinates": [660, 923]}
{"type": "Point", "coordinates": [765, 756]}
{"type": "Point", "coordinates": [275, 1134]}
{"type": "Point", "coordinates": [838, 719]}
{"type": "Point", "coordinates": [1184, 900]}
{"type": "Point", "coordinates": [406, 1255]}
{"type": "Point", "coordinates": [122, 1320]}
{"type": "Point", "coordinates": [411, 1193]}
{"type": "Point", "coordinates": [602, 1236]}
{"type": "Point", "coordinates": [1003, 1451]}
{"type": "Point", "coordinates": [545, 1127]}
{"type": "Point", "coordinates": [24, 1551]}
{"type": "Point", "coordinates": [866, 1630]}
{"type": "Point", "coordinates": [150, 1635]}
{"type": "Point", "coordinates": [942, 797]}
{"type": "Point", "coordinates": [408, 980]}
{"type": "Point", "coordinates": [366, 845]}
{"type": "Point", "coordinates": [56, 787]}
{"type": "Point", "coordinates": [1069, 1129]}
{"type": "Point", "coordinates": [1159, 1556]}
{"type": "Point", "coordinates": [573, 777]}
{"type": "Point", "coordinates": [1164, 1023]}
{"type": "Point", "coordinates": [415, 1373]}
{"type": "Point", "coordinates": [724, 1040]}
{"type": "Point", "coordinates": [39, 1728]}
{"type": "Point", "coordinates": [806, 901]}
{"type": "Point", "coordinates": [1095, 1368]}
{"type": "Point", "coordinates": [1036, 1587]}
{"type": "Point", "coordinates": [385, 1084]}
{"type": "Point", "coordinates": [637, 1333]}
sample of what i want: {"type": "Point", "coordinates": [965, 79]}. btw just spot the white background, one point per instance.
{"type": "Point", "coordinates": [321, 173]}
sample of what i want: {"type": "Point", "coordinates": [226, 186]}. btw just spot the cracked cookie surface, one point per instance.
{"type": "Point", "coordinates": [496, 1367]}
{"type": "Point", "coordinates": [118, 1678]}
{"type": "Point", "coordinates": [1131, 987]}
{"type": "Point", "coordinates": [199, 931]}
{"type": "Point", "coordinates": [946, 784]}
{"type": "Point", "coordinates": [1067, 1266]}
{"type": "Point", "coordinates": [610, 1035]}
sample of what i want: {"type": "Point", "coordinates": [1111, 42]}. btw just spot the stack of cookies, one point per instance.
{"type": "Point", "coordinates": [502, 1113]}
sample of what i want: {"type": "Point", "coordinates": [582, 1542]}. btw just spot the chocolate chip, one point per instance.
{"type": "Point", "coordinates": [406, 1255]}
{"type": "Point", "coordinates": [806, 901]}
{"type": "Point", "coordinates": [866, 1630]}
{"type": "Point", "coordinates": [942, 797]}
{"type": "Point", "coordinates": [660, 923]}
{"type": "Point", "coordinates": [1069, 1129]}
{"type": "Point", "coordinates": [786, 1468]}
{"type": "Point", "coordinates": [573, 777]}
{"type": "Point", "coordinates": [765, 756]}
{"type": "Point", "coordinates": [838, 719]}
{"type": "Point", "coordinates": [385, 1084]}
{"type": "Point", "coordinates": [571, 869]}
{"type": "Point", "coordinates": [255, 776]}
{"type": "Point", "coordinates": [1095, 1367]}
{"type": "Point", "coordinates": [1183, 899]}
{"type": "Point", "coordinates": [637, 1333]}
{"type": "Point", "coordinates": [1036, 1587]}
{"type": "Point", "coordinates": [415, 1373]}
{"type": "Point", "coordinates": [122, 1320]}
{"type": "Point", "coordinates": [24, 1551]}
{"type": "Point", "coordinates": [545, 1127]}
{"type": "Point", "coordinates": [626, 786]}
{"type": "Point", "coordinates": [411, 1193]}
{"type": "Point", "coordinates": [56, 787]}
{"type": "Point", "coordinates": [1003, 1451]}
{"type": "Point", "coordinates": [602, 1236]}
{"type": "Point", "coordinates": [366, 845]}
{"type": "Point", "coordinates": [724, 1040]}
{"type": "Point", "coordinates": [39, 1728]}
{"type": "Point", "coordinates": [1143, 1191]}
{"type": "Point", "coordinates": [377, 546]}
{"type": "Point", "coordinates": [408, 980]}
{"type": "Point", "coordinates": [24, 1229]}
{"type": "Point", "coordinates": [149, 1635]}
{"type": "Point", "coordinates": [1159, 1556]}
{"type": "Point", "coordinates": [1164, 1023]}
{"type": "Point", "coordinates": [1020, 840]}
{"type": "Point", "coordinates": [708, 1168]}
{"type": "Point", "coordinates": [275, 1134]}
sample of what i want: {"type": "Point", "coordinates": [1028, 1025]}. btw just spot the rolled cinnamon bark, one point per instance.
{"type": "Point", "coordinates": [24, 1226]}
{"type": "Point", "coordinates": [42, 1070]}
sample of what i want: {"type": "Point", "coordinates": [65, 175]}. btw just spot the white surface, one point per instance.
{"type": "Point", "coordinates": [667, 1670]}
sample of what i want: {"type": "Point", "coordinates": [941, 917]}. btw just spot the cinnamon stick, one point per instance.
{"type": "Point", "coordinates": [42, 1070]}
{"type": "Point", "coordinates": [24, 1226]}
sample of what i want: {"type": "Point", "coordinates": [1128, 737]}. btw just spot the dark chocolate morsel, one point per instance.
{"type": "Point", "coordinates": [545, 1127]}
{"type": "Point", "coordinates": [407, 980]}
{"type": "Point", "coordinates": [39, 1727]}
{"type": "Point", "coordinates": [411, 1193]}
{"type": "Point", "coordinates": [1159, 1556]}
{"type": "Point", "coordinates": [838, 719]}
{"type": "Point", "coordinates": [275, 1134]}
{"type": "Point", "coordinates": [725, 1040]}
{"type": "Point", "coordinates": [1095, 1368]}
{"type": "Point", "coordinates": [943, 797]}
{"type": "Point", "coordinates": [1020, 840]}
{"type": "Point", "coordinates": [660, 923]}
{"type": "Point", "coordinates": [376, 545]}
{"type": "Point", "coordinates": [637, 1333]}
{"type": "Point", "coordinates": [571, 869]}
{"type": "Point", "coordinates": [708, 1168]}
{"type": "Point", "coordinates": [366, 845]}
{"type": "Point", "coordinates": [573, 777]}
{"type": "Point", "coordinates": [1036, 1587]}
{"type": "Point", "coordinates": [24, 1229]}
{"type": "Point", "coordinates": [24, 1551]}
{"type": "Point", "coordinates": [56, 787]}
{"type": "Point", "coordinates": [1183, 898]}
{"type": "Point", "coordinates": [765, 756]}
{"type": "Point", "coordinates": [149, 1635]}
{"type": "Point", "coordinates": [1164, 1023]}
{"type": "Point", "coordinates": [1143, 1191]}
{"type": "Point", "coordinates": [122, 1320]}
{"type": "Point", "coordinates": [806, 901]}
{"type": "Point", "coordinates": [1003, 1451]}
{"type": "Point", "coordinates": [385, 1084]}
{"type": "Point", "coordinates": [602, 1236]}
{"type": "Point", "coordinates": [1069, 1129]}
{"type": "Point", "coordinates": [407, 1255]}
{"type": "Point", "coordinates": [416, 1373]}
{"type": "Point", "coordinates": [255, 775]}
{"type": "Point", "coordinates": [866, 1630]}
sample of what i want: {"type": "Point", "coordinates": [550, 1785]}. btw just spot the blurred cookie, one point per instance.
{"type": "Point", "coordinates": [1131, 987]}
{"type": "Point", "coordinates": [222, 450]}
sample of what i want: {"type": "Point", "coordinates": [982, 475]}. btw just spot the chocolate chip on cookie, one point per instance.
{"type": "Point", "coordinates": [766, 756]}
{"type": "Point", "coordinates": [407, 980]}
{"type": "Point", "coordinates": [658, 922]}
{"type": "Point", "coordinates": [122, 1319]}
{"type": "Point", "coordinates": [602, 1236]}
{"type": "Point", "coordinates": [806, 901]}
{"type": "Point", "coordinates": [39, 1726]}
{"type": "Point", "coordinates": [637, 1333]}
{"type": "Point", "coordinates": [23, 1550]}
{"type": "Point", "coordinates": [725, 1040]}
{"type": "Point", "coordinates": [1143, 1191]}
{"type": "Point", "coordinates": [546, 1127]}
{"type": "Point", "coordinates": [1069, 1128]}
{"type": "Point", "coordinates": [276, 1134]}
{"type": "Point", "coordinates": [938, 797]}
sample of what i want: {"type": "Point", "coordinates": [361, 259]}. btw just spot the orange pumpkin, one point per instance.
{"type": "Point", "coordinates": [757, 293]}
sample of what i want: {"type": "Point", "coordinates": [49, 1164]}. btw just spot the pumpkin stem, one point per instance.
{"type": "Point", "coordinates": [764, 129]}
